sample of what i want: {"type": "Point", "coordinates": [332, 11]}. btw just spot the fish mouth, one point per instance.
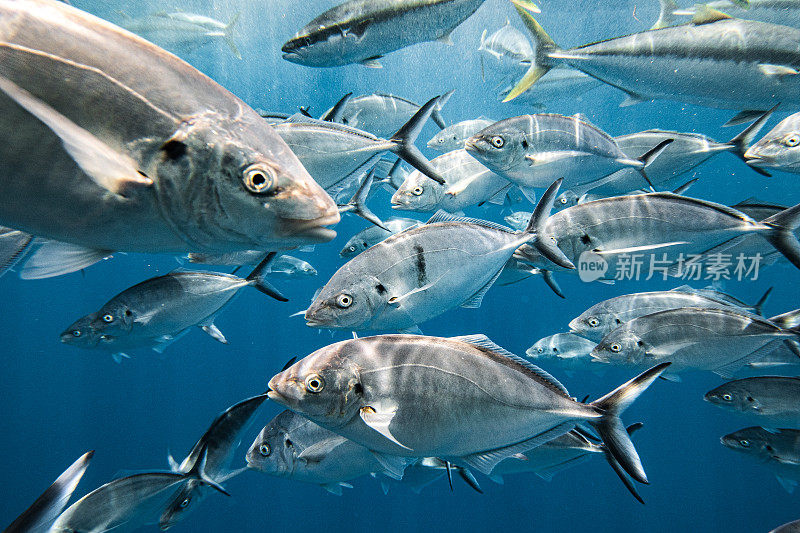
{"type": "Point", "coordinates": [313, 230]}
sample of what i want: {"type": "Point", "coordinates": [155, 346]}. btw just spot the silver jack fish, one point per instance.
{"type": "Point", "coordinates": [786, 12]}
{"type": "Point", "coordinates": [362, 31]}
{"type": "Point", "coordinates": [158, 311]}
{"type": "Point", "coordinates": [570, 350]}
{"type": "Point", "coordinates": [778, 449]}
{"type": "Point", "coordinates": [714, 61]}
{"type": "Point", "coordinates": [283, 265]}
{"type": "Point", "coordinates": [118, 145]}
{"type": "Point", "coordinates": [371, 236]}
{"type": "Point", "coordinates": [719, 340]}
{"type": "Point", "coordinates": [422, 272]}
{"type": "Point", "coordinates": [453, 137]}
{"type": "Point", "coordinates": [40, 516]}
{"type": "Point", "coordinates": [779, 149]}
{"type": "Point", "coordinates": [463, 399]}
{"type": "Point", "coordinates": [773, 401]}
{"type": "Point", "coordinates": [218, 443]}
{"type": "Point", "coordinates": [380, 114]}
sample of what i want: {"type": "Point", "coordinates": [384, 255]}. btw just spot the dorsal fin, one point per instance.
{"type": "Point", "coordinates": [482, 341]}
{"type": "Point", "coordinates": [444, 216]}
{"type": "Point", "coordinates": [705, 14]}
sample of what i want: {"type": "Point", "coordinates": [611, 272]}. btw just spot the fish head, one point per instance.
{"type": "Point", "coordinates": [566, 199]}
{"type": "Point", "coordinates": [734, 396]}
{"type": "Point", "coordinates": [621, 346]}
{"type": "Point", "coordinates": [315, 45]}
{"type": "Point", "coordinates": [540, 349]}
{"type": "Point", "coordinates": [755, 441]}
{"type": "Point", "coordinates": [498, 147]}
{"type": "Point", "coordinates": [324, 387]}
{"type": "Point", "coordinates": [116, 318]}
{"type": "Point", "coordinates": [249, 191]}
{"type": "Point", "coordinates": [353, 247]}
{"type": "Point", "coordinates": [179, 505]}
{"type": "Point", "coordinates": [304, 268]}
{"type": "Point", "coordinates": [418, 193]}
{"type": "Point", "coordinates": [273, 450]}
{"type": "Point", "coordinates": [81, 333]}
{"type": "Point", "coordinates": [348, 301]}
{"type": "Point", "coordinates": [780, 148]}
{"type": "Point", "coordinates": [445, 141]}
{"type": "Point", "coordinates": [594, 324]}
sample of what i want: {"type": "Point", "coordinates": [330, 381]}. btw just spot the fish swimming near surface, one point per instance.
{"type": "Point", "coordinates": [363, 31]}
{"type": "Point", "coordinates": [381, 114]}
{"type": "Point", "coordinates": [720, 340]}
{"type": "Point", "coordinates": [118, 145]}
{"type": "Point", "coordinates": [709, 62]}
{"type": "Point", "coordinates": [156, 312]}
{"type": "Point", "coordinates": [182, 32]}
{"type": "Point", "coordinates": [773, 401]}
{"type": "Point", "coordinates": [532, 150]}
{"type": "Point", "coordinates": [467, 183]}
{"type": "Point", "coordinates": [778, 449]}
{"type": "Point", "coordinates": [453, 137]}
{"type": "Point", "coordinates": [372, 235]}
{"type": "Point", "coordinates": [388, 394]}
{"type": "Point", "coordinates": [603, 317]}
{"type": "Point", "coordinates": [40, 516]}
{"type": "Point", "coordinates": [216, 448]}
{"type": "Point", "coordinates": [422, 272]}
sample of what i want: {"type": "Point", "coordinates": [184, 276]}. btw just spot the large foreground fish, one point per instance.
{"type": "Point", "coordinates": [115, 144]}
{"type": "Point", "coordinates": [714, 61]}
{"type": "Point", "coordinates": [463, 399]}
{"type": "Point", "coordinates": [362, 31]}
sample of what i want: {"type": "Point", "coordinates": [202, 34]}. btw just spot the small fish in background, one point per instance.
{"type": "Point", "coordinates": [158, 311]}
{"type": "Point", "coordinates": [772, 401]}
{"type": "Point", "coordinates": [777, 449]}
{"type": "Point", "coordinates": [558, 85]}
{"type": "Point", "coordinates": [786, 13]}
{"type": "Point", "coordinates": [422, 272]}
{"type": "Point", "coordinates": [215, 448]}
{"type": "Point", "coordinates": [184, 32]}
{"type": "Point", "coordinates": [371, 236]}
{"type": "Point", "coordinates": [568, 350]}
{"type": "Point", "coordinates": [467, 183]}
{"type": "Point", "coordinates": [380, 114]}
{"type": "Point", "coordinates": [779, 149]}
{"type": "Point", "coordinates": [719, 340]}
{"type": "Point", "coordinates": [40, 516]}
{"type": "Point", "coordinates": [453, 137]}
{"type": "Point", "coordinates": [385, 393]}
{"type": "Point", "coordinates": [790, 527]}
{"type": "Point", "coordinates": [603, 317]}
{"type": "Point", "coordinates": [283, 265]}
{"type": "Point", "coordinates": [361, 31]}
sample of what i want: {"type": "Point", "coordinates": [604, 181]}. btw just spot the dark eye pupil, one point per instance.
{"type": "Point", "coordinates": [258, 179]}
{"type": "Point", "coordinates": [76, 333]}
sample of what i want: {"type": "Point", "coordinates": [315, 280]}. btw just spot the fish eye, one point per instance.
{"type": "Point", "coordinates": [539, 350]}
{"type": "Point", "coordinates": [352, 248]}
{"type": "Point", "coordinates": [792, 140]}
{"type": "Point", "coordinates": [416, 191]}
{"type": "Point", "coordinates": [745, 443]}
{"type": "Point", "coordinates": [727, 397]}
{"type": "Point", "coordinates": [259, 179]}
{"type": "Point", "coordinates": [497, 141]}
{"type": "Point", "coordinates": [314, 383]}
{"type": "Point", "coordinates": [615, 347]}
{"type": "Point", "coordinates": [593, 322]}
{"type": "Point", "coordinates": [441, 140]}
{"type": "Point", "coordinates": [344, 301]}
{"type": "Point", "coordinates": [76, 333]}
{"type": "Point", "coordinates": [264, 450]}
{"type": "Point", "coordinates": [109, 318]}
{"type": "Point", "coordinates": [563, 200]}
{"type": "Point", "coordinates": [185, 502]}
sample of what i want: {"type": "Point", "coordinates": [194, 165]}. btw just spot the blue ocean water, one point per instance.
{"type": "Point", "coordinates": [59, 401]}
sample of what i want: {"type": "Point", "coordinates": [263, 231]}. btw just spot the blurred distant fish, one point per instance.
{"type": "Point", "coordinates": [772, 401]}
{"type": "Point", "coordinates": [467, 183]}
{"type": "Point", "coordinates": [373, 235]}
{"type": "Point", "coordinates": [778, 449]}
{"type": "Point", "coordinates": [568, 349]}
{"type": "Point", "coordinates": [218, 444]}
{"type": "Point", "coordinates": [453, 137]}
{"type": "Point", "coordinates": [40, 516]}
{"type": "Point", "coordinates": [779, 149]}
{"type": "Point", "coordinates": [156, 312]}
{"type": "Point", "coordinates": [560, 84]}
{"type": "Point", "coordinates": [785, 12]}
{"type": "Point", "coordinates": [363, 31]}
{"type": "Point", "coordinates": [285, 265]}
{"type": "Point", "coordinates": [507, 44]}
{"type": "Point", "coordinates": [380, 114]}
{"type": "Point", "coordinates": [707, 62]}
{"type": "Point", "coordinates": [181, 31]}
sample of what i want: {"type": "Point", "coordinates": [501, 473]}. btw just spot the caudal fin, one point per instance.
{"type": "Point", "coordinates": [780, 233]}
{"type": "Point", "coordinates": [544, 243]}
{"type": "Point", "coordinates": [436, 116]}
{"type": "Point", "coordinates": [198, 472]}
{"type": "Point", "coordinates": [336, 112]}
{"type": "Point", "coordinates": [648, 157]}
{"type": "Point", "coordinates": [403, 141]}
{"type": "Point", "coordinates": [612, 430]}
{"type": "Point", "coordinates": [256, 277]}
{"type": "Point", "coordinates": [540, 64]}
{"type": "Point", "coordinates": [358, 204]}
{"type": "Point", "coordinates": [229, 35]}
{"type": "Point", "coordinates": [741, 142]}
{"type": "Point", "coordinates": [666, 15]}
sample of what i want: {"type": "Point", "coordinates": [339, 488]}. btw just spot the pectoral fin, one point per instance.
{"type": "Point", "coordinates": [378, 417]}
{"type": "Point", "coordinates": [112, 170]}
{"type": "Point", "coordinates": [777, 70]}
